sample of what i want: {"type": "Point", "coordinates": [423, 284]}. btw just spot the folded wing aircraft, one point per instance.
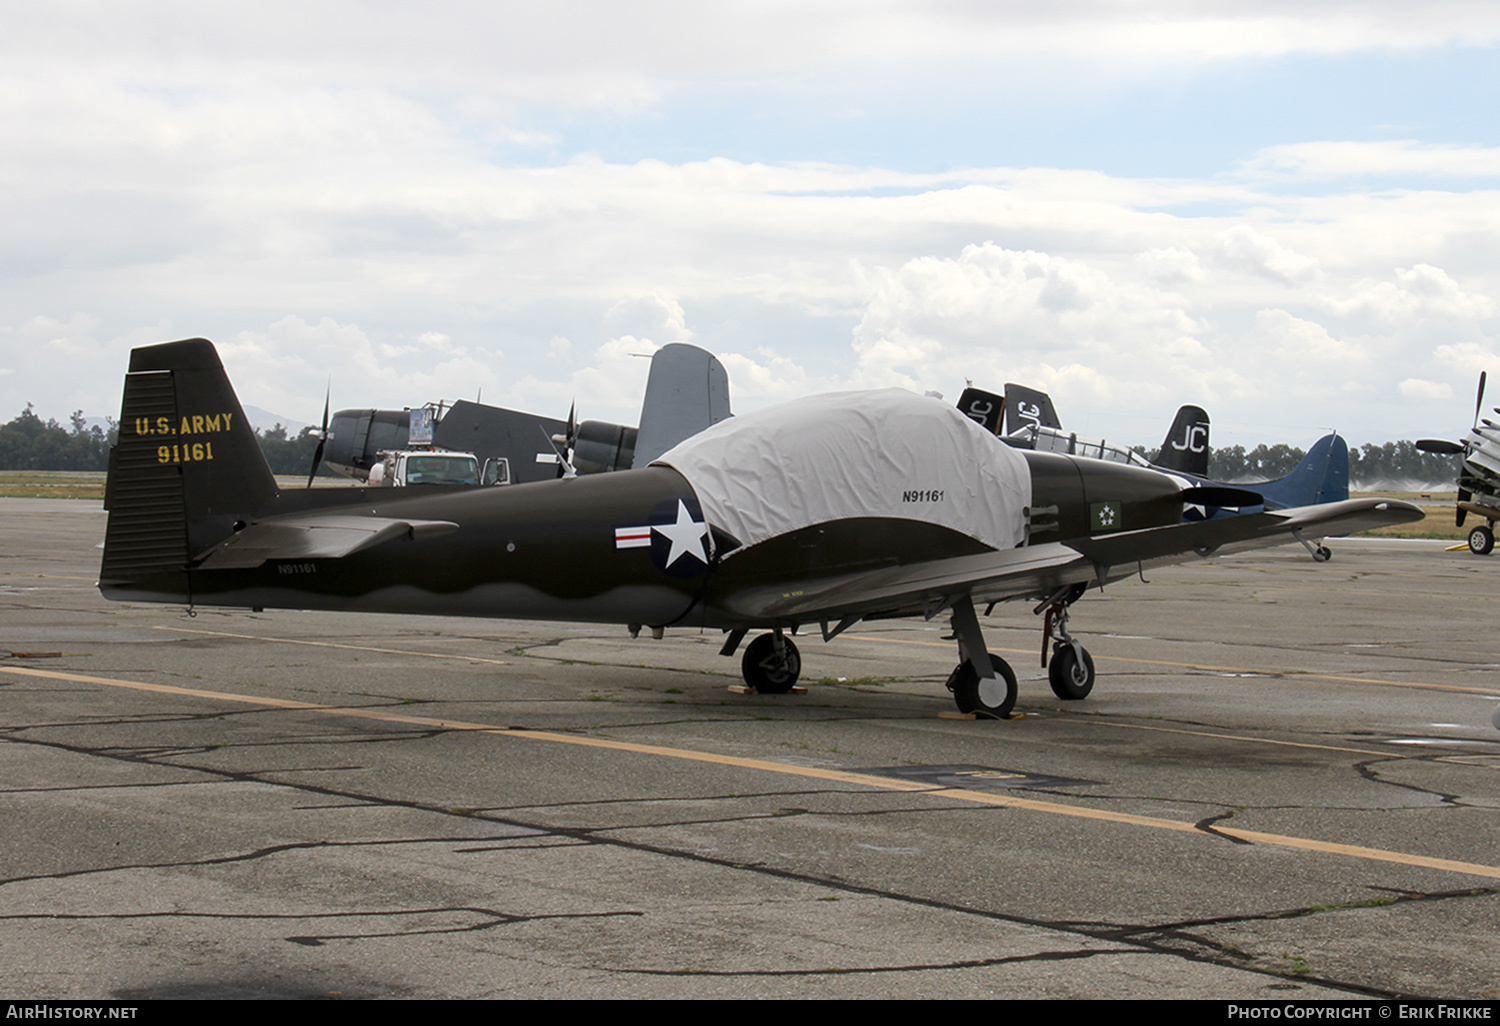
{"type": "Point", "coordinates": [1478, 477]}
{"type": "Point", "coordinates": [819, 512]}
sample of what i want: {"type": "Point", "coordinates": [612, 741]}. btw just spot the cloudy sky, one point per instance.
{"type": "Point", "coordinates": [1285, 212]}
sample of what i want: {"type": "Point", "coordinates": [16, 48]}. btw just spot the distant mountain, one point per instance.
{"type": "Point", "coordinates": [264, 420]}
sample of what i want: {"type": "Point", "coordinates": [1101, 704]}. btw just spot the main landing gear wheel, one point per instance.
{"type": "Point", "coordinates": [767, 671]}
{"type": "Point", "coordinates": [1322, 554]}
{"type": "Point", "coordinates": [1070, 678]}
{"type": "Point", "coordinates": [977, 696]}
{"type": "Point", "coordinates": [1482, 540]}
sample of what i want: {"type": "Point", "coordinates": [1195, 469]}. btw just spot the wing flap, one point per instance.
{"type": "Point", "coordinates": [330, 536]}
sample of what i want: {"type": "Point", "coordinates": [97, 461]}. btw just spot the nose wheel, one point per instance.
{"type": "Point", "coordinates": [1072, 671]}
{"type": "Point", "coordinates": [771, 664]}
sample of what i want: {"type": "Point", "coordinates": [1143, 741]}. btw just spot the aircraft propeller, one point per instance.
{"type": "Point", "coordinates": [322, 437]}
{"type": "Point", "coordinates": [566, 443]}
{"type": "Point", "coordinates": [1443, 447]}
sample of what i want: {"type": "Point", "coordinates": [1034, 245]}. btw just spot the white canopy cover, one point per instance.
{"type": "Point", "coordinates": [889, 453]}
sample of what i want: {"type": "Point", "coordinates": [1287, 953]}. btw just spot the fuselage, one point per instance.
{"type": "Point", "coordinates": [631, 547]}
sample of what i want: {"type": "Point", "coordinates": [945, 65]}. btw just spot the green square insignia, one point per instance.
{"type": "Point", "coordinates": [1104, 516]}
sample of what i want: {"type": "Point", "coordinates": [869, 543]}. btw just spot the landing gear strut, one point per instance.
{"type": "Point", "coordinates": [1072, 671]}
{"type": "Point", "coordinates": [771, 664]}
{"type": "Point", "coordinates": [991, 693]}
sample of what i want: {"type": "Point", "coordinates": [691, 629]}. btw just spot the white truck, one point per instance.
{"type": "Point", "coordinates": [411, 467]}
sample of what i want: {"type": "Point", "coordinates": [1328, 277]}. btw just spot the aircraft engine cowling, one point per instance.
{"type": "Point", "coordinates": [601, 446]}
{"type": "Point", "coordinates": [355, 436]}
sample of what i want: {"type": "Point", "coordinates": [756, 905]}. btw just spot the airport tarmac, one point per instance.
{"type": "Point", "coordinates": [1285, 786]}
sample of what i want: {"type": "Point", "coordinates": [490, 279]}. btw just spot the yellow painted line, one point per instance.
{"type": "Point", "coordinates": [1286, 675]}
{"type": "Point", "coordinates": [840, 776]}
{"type": "Point", "coordinates": [330, 644]}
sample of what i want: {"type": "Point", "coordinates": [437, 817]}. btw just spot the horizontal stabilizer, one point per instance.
{"type": "Point", "coordinates": [313, 537]}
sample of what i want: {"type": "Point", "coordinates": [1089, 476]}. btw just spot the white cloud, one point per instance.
{"type": "Point", "coordinates": [1416, 388]}
{"type": "Point", "coordinates": [379, 194]}
{"type": "Point", "coordinates": [1470, 357]}
{"type": "Point", "coordinates": [1245, 249]}
{"type": "Point", "coordinates": [1171, 265]}
{"type": "Point", "coordinates": [1419, 292]}
{"type": "Point", "coordinates": [1344, 158]}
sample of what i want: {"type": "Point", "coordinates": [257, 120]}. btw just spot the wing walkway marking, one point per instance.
{"type": "Point", "coordinates": [765, 765]}
{"type": "Point", "coordinates": [1269, 674]}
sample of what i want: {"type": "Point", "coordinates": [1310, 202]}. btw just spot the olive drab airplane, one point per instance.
{"type": "Point", "coordinates": [820, 512]}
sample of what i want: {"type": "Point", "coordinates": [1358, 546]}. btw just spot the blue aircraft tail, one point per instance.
{"type": "Point", "coordinates": [1322, 476]}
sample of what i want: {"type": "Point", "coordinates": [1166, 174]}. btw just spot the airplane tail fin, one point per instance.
{"type": "Point", "coordinates": [686, 391]}
{"type": "Point", "coordinates": [1025, 407]}
{"type": "Point", "coordinates": [1322, 476]}
{"type": "Point", "coordinates": [1185, 448]}
{"type": "Point", "coordinates": [984, 408]}
{"type": "Point", "coordinates": [186, 467]}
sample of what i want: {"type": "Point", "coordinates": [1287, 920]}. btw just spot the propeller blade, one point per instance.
{"type": "Point", "coordinates": [1439, 446]}
{"type": "Point", "coordinates": [1479, 399]}
{"type": "Point", "coordinates": [317, 459]}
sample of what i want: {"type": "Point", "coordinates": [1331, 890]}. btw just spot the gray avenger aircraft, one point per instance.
{"type": "Point", "coordinates": [823, 511]}
{"type": "Point", "coordinates": [687, 390]}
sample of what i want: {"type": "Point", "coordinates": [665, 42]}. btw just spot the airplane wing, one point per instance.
{"type": "Point", "coordinates": [1037, 570]}
{"type": "Point", "coordinates": [313, 536]}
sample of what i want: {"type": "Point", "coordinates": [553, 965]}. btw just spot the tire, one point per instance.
{"type": "Point", "coordinates": [1482, 540]}
{"type": "Point", "coordinates": [1070, 680]}
{"type": "Point", "coordinates": [965, 684]}
{"type": "Point", "coordinates": [764, 672]}
{"type": "Point", "coordinates": [1322, 554]}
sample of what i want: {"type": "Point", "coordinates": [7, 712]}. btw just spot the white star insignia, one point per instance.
{"type": "Point", "coordinates": [686, 535]}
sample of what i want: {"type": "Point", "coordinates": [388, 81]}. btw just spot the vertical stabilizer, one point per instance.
{"type": "Point", "coordinates": [187, 464]}
{"type": "Point", "coordinates": [1026, 407]}
{"type": "Point", "coordinates": [984, 408]}
{"type": "Point", "coordinates": [1185, 448]}
{"type": "Point", "coordinates": [687, 391]}
{"type": "Point", "coordinates": [1322, 476]}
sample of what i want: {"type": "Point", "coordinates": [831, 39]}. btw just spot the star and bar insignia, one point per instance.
{"type": "Point", "coordinates": [676, 534]}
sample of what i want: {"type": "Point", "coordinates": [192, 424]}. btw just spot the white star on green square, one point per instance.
{"type": "Point", "coordinates": [1104, 516]}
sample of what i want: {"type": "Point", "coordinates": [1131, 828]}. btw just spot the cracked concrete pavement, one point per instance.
{"type": "Point", "coordinates": [1284, 786]}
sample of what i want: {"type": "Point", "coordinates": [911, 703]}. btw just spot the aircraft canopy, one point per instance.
{"type": "Point", "coordinates": [889, 453]}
